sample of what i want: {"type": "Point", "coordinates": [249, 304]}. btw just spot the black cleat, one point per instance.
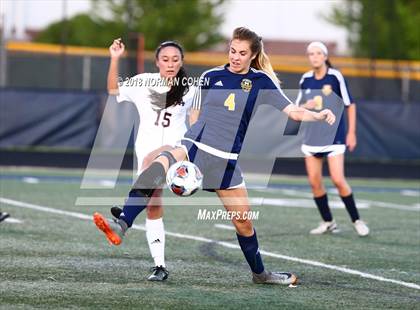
{"type": "Point", "coordinates": [159, 274]}
{"type": "Point", "coordinates": [285, 278]}
{"type": "Point", "coordinates": [116, 212]}
{"type": "Point", "coordinates": [3, 216]}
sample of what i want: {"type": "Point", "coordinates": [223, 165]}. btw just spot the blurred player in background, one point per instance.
{"type": "Point", "coordinates": [223, 107]}
{"type": "Point", "coordinates": [162, 109]}
{"type": "Point", "coordinates": [317, 89]}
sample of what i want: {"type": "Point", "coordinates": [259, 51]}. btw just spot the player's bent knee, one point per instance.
{"type": "Point", "coordinates": [317, 187]}
{"type": "Point", "coordinates": [315, 181]}
{"type": "Point", "coordinates": [168, 155]}
{"type": "Point", "coordinates": [340, 182]}
{"type": "Point", "coordinates": [243, 226]}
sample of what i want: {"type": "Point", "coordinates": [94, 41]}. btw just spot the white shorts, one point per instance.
{"type": "Point", "coordinates": [327, 150]}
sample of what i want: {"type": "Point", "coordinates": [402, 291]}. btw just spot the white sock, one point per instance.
{"type": "Point", "coordinates": [155, 234]}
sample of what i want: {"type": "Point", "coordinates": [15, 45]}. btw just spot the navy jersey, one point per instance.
{"type": "Point", "coordinates": [227, 101]}
{"type": "Point", "coordinates": [330, 92]}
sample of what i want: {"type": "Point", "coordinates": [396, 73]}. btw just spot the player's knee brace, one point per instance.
{"type": "Point", "coordinates": [151, 178]}
{"type": "Point", "coordinates": [171, 159]}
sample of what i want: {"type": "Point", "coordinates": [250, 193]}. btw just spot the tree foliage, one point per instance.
{"type": "Point", "coordinates": [81, 30]}
{"type": "Point", "coordinates": [195, 23]}
{"type": "Point", "coordinates": [381, 28]}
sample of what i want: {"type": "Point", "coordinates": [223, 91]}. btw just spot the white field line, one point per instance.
{"type": "Point", "coordinates": [224, 226]}
{"type": "Point", "coordinates": [214, 201]}
{"type": "Point", "coordinates": [30, 180]}
{"type": "Point", "coordinates": [12, 220]}
{"type": "Point", "coordinates": [410, 193]}
{"type": "Point", "coordinates": [222, 243]}
{"type": "Point", "coordinates": [380, 204]}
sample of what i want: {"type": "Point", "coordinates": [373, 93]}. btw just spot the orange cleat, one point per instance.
{"type": "Point", "coordinates": [112, 230]}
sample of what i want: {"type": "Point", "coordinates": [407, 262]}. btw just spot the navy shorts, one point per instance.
{"type": "Point", "coordinates": [218, 173]}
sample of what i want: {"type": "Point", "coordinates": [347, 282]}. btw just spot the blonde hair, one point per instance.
{"type": "Point", "coordinates": [261, 60]}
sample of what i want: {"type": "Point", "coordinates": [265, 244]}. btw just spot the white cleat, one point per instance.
{"type": "Point", "coordinates": [325, 227]}
{"type": "Point", "coordinates": [361, 228]}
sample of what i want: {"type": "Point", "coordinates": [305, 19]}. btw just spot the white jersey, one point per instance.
{"type": "Point", "coordinates": [158, 126]}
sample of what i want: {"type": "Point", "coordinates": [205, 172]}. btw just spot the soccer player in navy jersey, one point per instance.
{"type": "Point", "coordinates": [222, 108]}
{"type": "Point", "coordinates": [325, 87]}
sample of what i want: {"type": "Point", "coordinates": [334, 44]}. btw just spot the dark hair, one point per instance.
{"type": "Point", "coordinates": [177, 91]}
{"type": "Point", "coordinates": [328, 63]}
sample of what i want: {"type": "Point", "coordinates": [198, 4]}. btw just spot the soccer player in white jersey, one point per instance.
{"type": "Point", "coordinates": [325, 87]}
{"type": "Point", "coordinates": [162, 100]}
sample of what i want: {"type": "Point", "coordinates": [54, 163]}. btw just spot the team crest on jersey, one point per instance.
{"type": "Point", "coordinates": [246, 85]}
{"type": "Point", "coordinates": [327, 89]}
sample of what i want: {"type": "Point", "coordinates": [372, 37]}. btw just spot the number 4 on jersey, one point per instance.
{"type": "Point", "coordinates": [230, 102]}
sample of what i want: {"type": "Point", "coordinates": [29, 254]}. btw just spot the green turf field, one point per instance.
{"type": "Point", "coordinates": [60, 260]}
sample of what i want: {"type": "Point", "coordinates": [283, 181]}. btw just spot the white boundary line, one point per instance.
{"type": "Point", "coordinates": [222, 243]}
{"type": "Point", "coordinates": [294, 193]}
{"type": "Point", "coordinates": [211, 201]}
{"type": "Point", "coordinates": [224, 226]}
{"type": "Point", "coordinates": [13, 220]}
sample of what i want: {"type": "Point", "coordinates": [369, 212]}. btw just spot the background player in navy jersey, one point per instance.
{"type": "Point", "coordinates": [223, 107]}
{"type": "Point", "coordinates": [325, 87]}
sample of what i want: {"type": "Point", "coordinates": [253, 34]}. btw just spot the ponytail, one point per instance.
{"type": "Point", "coordinates": [177, 92]}
{"type": "Point", "coordinates": [262, 62]}
{"type": "Point", "coordinates": [328, 63]}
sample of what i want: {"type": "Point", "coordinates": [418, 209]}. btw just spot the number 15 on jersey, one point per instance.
{"type": "Point", "coordinates": [166, 122]}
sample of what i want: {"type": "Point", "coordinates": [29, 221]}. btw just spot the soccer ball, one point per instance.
{"type": "Point", "coordinates": [184, 178]}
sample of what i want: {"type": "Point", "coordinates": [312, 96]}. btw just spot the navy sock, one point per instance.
{"type": "Point", "coordinates": [135, 203]}
{"type": "Point", "coordinates": [249, 246]}
{"type": "Point", "coordinates": [351, 207]}
{"type": "Point", "coordinates": [323, 208]}
{"type": "Point", "coordinates": [138, 198]}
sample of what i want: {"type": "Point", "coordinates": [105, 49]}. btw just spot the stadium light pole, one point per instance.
{"type": "Point", "coordinates": [140, 53]}
{"type": "Point", "coordinates": [3, 54]}
{"type": "Point", "coordinates": [64, 35]}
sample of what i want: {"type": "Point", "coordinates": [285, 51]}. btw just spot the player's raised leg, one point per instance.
{"type": "Point", "coordinates": [236, 200]}
{"type": "Point", "coordinates": [139, 196]}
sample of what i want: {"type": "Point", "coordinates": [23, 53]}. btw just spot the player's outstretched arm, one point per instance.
{"type": "Point", "coordinates": [115, 50]}
{"type": "Point", "coordinates": [300, 114]}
